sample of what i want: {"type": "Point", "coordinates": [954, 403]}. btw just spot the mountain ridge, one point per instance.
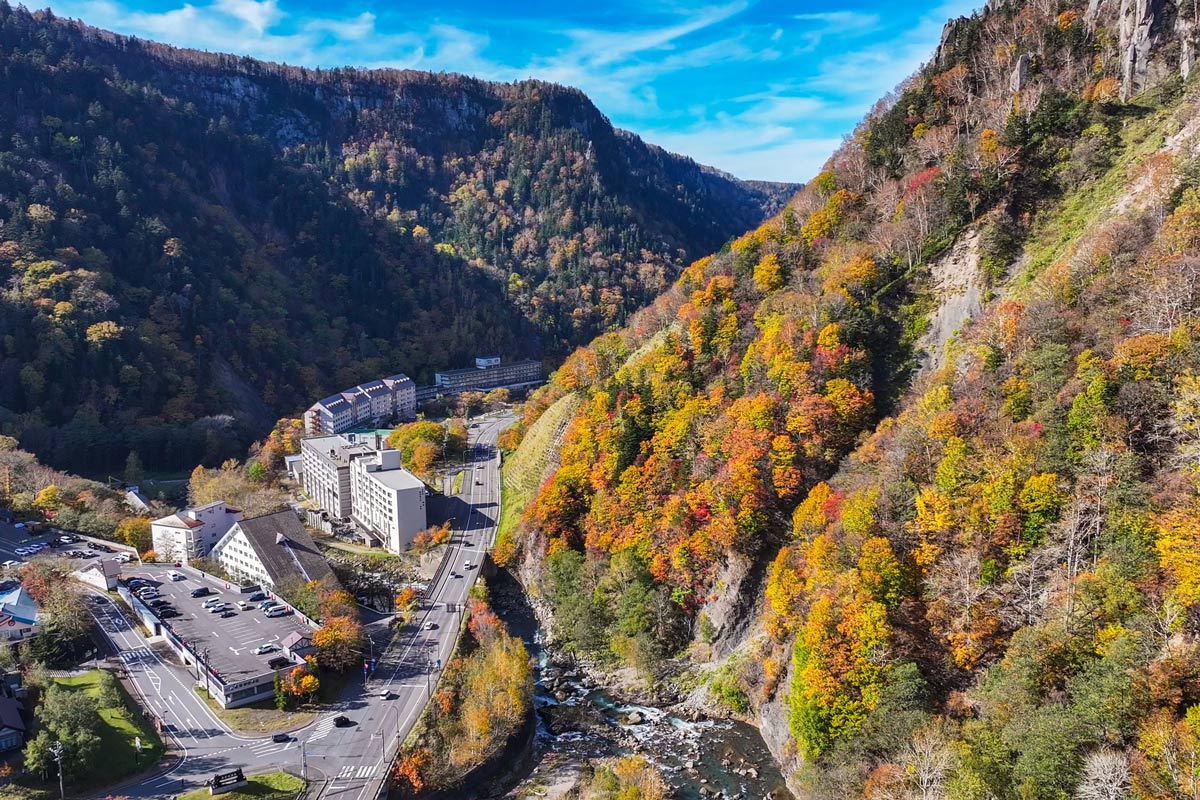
{"type": "Point", "coordinates": [219, 223]}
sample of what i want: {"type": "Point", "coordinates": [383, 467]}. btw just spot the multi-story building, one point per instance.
{"type": "Point", "coordinates": [370, 403]}
{"type": "Point", "coordinates": [192, 532]}
{"type": "Point", "coordinates": [271, 550]}
{"type": "Point", "coordinates": [389, 501]}
{"type": "Point", "coordinates": [325, 470]}
{"type": "Point", "coordinates": [490, 373]}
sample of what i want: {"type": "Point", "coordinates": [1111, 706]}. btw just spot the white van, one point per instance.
{"type": "Point", "coordinates": [279, 611]}
{"type": "Point", "coordinates": [175, 576]}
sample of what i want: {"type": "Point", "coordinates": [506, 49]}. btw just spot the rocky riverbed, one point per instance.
{"type": "Point", "coordinates": [579, 722]}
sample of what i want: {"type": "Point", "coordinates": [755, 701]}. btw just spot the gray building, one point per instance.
{"type": "Point", "coordinates": [489, 373]}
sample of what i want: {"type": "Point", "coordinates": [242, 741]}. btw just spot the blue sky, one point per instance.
{"type": "Point", "coordinates": [764, 90]}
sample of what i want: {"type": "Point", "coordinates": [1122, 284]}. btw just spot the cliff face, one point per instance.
{"type": "Point", "coordinates": [182, 231]}
{"type": "Point", "coordinates": [946, 399]}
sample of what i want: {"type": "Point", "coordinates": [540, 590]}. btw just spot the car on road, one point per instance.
{"type": "Point", "coordinates": [263, 649]}
{"type": "Point", "coordinates": [281, 737]}
{"type": "Point", "coordinates": [469, 565]}
{"type": "Point", "coordinates": [385, 693]}
{"type": "Point", "coordinates": [175, 576]}
{"type": "Point", "coordinates": [478, 482]}
{"type": "Point", "coordinates": [431, 626]}
{"type": "Point", "coordinates": [203, 591]}
{"type": "Point", "coordinates": [342, 721]}
{"type": "Point", "coordinates": [228, 613]}
{"type": "Point", "coordinates": [454, 574]}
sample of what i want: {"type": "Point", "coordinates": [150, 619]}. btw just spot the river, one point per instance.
{"type": "Point", "coordinates": [578, 722]}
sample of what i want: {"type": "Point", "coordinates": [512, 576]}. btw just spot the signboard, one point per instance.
{"type": "Point", "coordinates": [227, 779]}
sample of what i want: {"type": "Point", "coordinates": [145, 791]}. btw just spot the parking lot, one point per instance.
{"type": "Point", "coordinates": [229, 642]}
{"type": "Point", "coordinates": [14, 539]}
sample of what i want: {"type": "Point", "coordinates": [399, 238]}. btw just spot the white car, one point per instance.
{"type": "Point", "coordinates": [218, 608]}
{"type": "Point", "coordinates": [263, 649]}
{"type": "Point", "coordinates": [24, 551]}
{"type": "Point", "coordinates": [213, 601]}
{"type": "Point", "coordinates": [10, 564]}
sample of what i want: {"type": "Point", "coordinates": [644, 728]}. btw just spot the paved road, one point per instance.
{"type": "Point", "coordinates": [352, 759]}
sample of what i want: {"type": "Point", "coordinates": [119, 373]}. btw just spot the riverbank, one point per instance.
{"type": "Point", "coordinates": [580, 721]}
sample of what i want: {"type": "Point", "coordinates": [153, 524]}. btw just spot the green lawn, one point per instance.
{"type": "Point", "coordinates": [458, 482]}
{"type": "Point", "coordinates": [117, 734]}
{"type": "Point", "coordinates": [272, 786]}
{"type": "Point", "coordinates": [260, 717]}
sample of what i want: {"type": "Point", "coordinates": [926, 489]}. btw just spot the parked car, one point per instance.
{"type": "Point", "coordinates": [228, 613]}
{"type": "Point", "coordinates": [263, 649]}
{"type": "Point", "coordinates": [124, 558]}
{"type": "Point", "coordinates": [175, 576]}
{"type": "Point", "coordinates": [279, 662]}
{"type": "Point", "coordinates": [266, 604]}
{"type": "Point", "coordinates": [279, 611]}
{"type": "Point", "coordinates": [216, 609]}
{"type": "Point", "coordinates": [203, 591]}
{"type": "Point", "coordinates": [213, 601]}
{"type": "Point", "coordinates": [10, 564]}
{"type": "Point", "coordinates": [167, 613]}
{"type": "Point", "coordinates": [243, 605]}
{"type": "Point", "coordinates": [93, 546]}
{"type": "Point", "coordinates": [257, 596]}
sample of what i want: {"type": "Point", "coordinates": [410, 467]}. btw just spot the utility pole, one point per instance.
{"type": "Point", "coordinates": [59, 751]}
{"type": "Point", "coordinates": [303, 763]}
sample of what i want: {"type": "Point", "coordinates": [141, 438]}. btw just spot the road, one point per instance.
{"type": "Point", "coordinates": [353, 760]}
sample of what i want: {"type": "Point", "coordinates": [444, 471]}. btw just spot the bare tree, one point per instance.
{"type": "Point", "coordinates": [1105, 776]}
{"type": "Point", "coordinates": [927, 760]}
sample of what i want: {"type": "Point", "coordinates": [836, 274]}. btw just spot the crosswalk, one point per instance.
{"type": "Point", "coordinates": [268, 747]}
{"type": "Point", "coordinates": [356, 773]}
{"type": "Point", "coordinates": [321, 730]}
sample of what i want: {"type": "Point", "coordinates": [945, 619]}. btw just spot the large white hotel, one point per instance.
{"type": "Point", "coordinates": [370, 403]}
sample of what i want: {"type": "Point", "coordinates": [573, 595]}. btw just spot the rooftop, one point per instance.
{"type": "Point", "coordinates": [17, 603]}
{"type": "Point", "coordinates": [396, 478]}
{"type": "Point", "coordinates": [336, 448]}
{"type": "Point", "coordinates": [284, 547]}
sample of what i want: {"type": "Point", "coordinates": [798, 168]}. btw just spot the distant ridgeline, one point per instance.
{"type": "Point", "coordinates": [195, 244]}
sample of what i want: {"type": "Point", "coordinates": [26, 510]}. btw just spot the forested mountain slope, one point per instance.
{"type": "Point", "coordinates": [186, 236]}
{"type": "Point", "coordinates": [972, 580]}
